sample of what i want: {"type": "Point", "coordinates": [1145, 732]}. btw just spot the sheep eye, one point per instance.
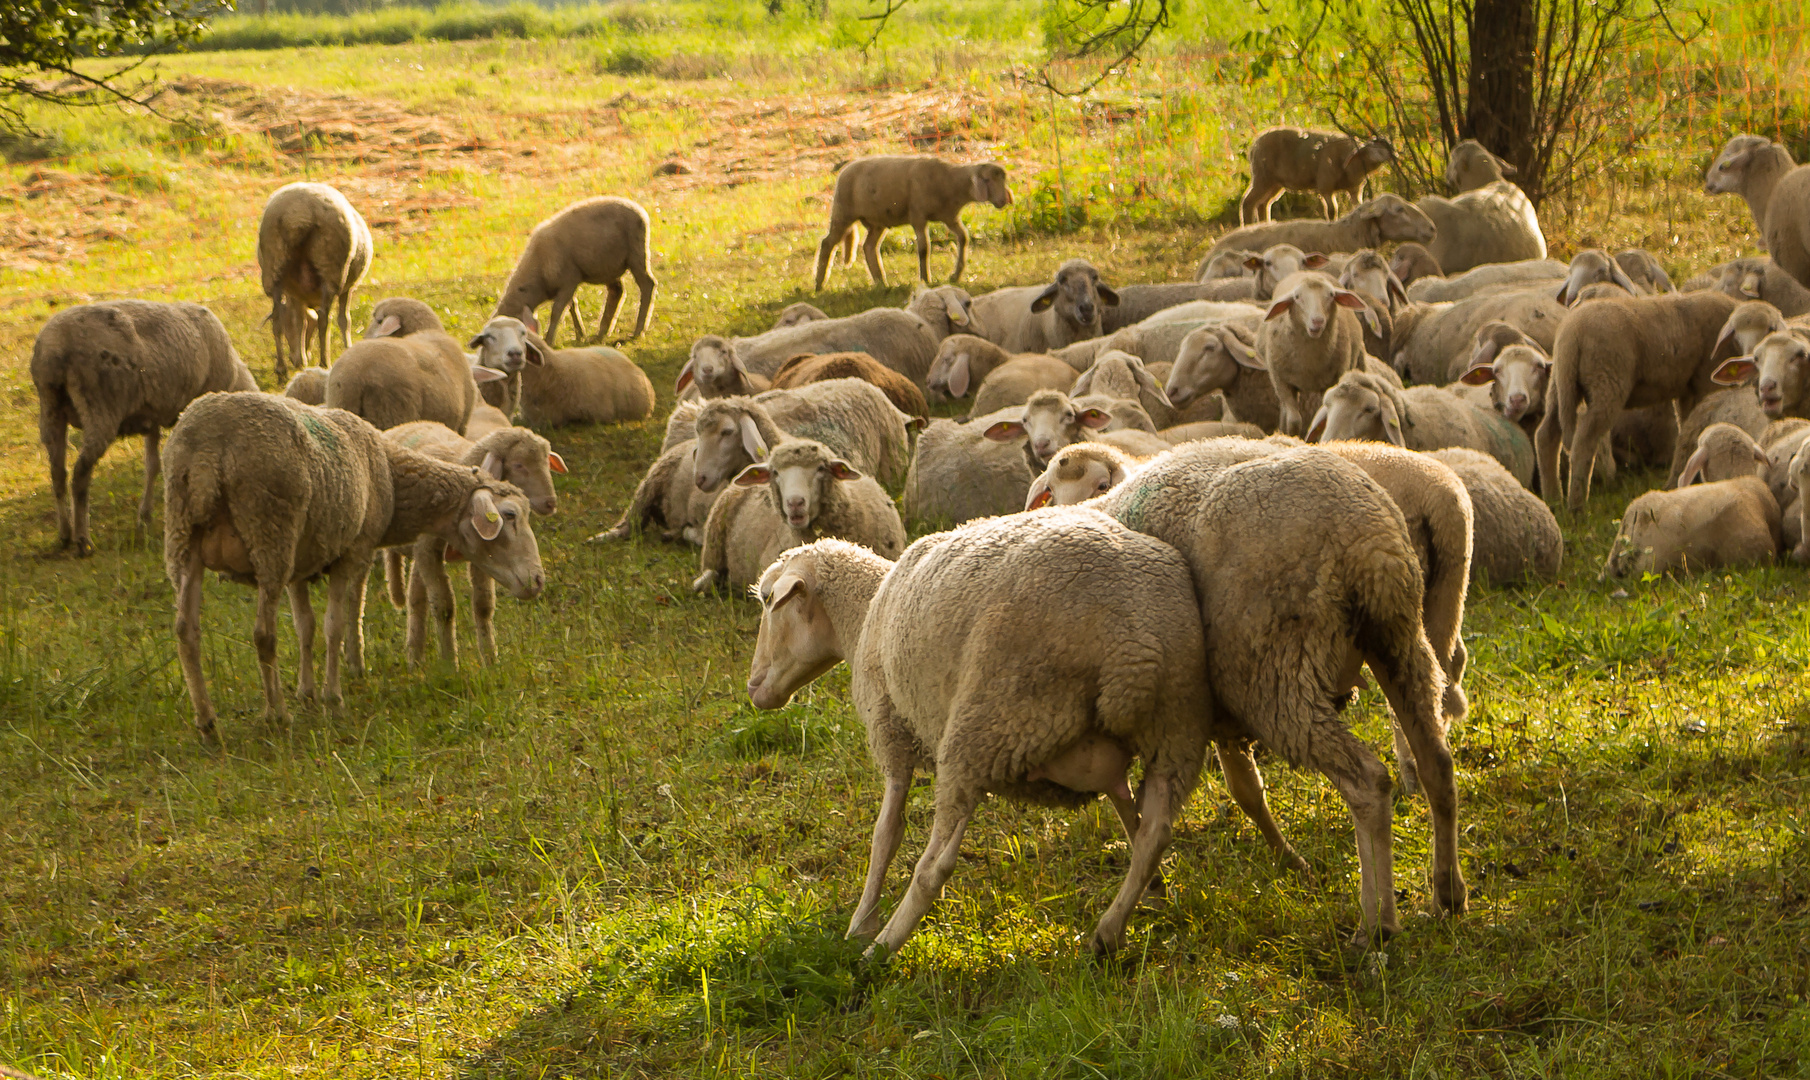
{"type": "Point", "coordinates": [1102, 485]}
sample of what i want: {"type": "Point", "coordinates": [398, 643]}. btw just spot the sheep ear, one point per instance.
{"type": "Point", "coordinates": [1005, 431]}
{"type": "Point", "coordinates": [482, 374]}
{"type": "Point", "coordinates": [1045, 298]}
{"type": "Point", "coordinates": [1148, 382]}
{"type": "Point", "coordinates": [476, 342]}
{"type": "Point", "coordinates": [1693, 468]}
{"type": "Point", "coordinates": [387, 326]}
{"type": "Point", "coordinates": [1039, 495]}
{"type": "Point", "coordinates": [753, 476]}
{"type": "Point", "coordinates": [1396, 289]}
{"type": "Point", "coordinates": [842, 470]}
{"type": "Point", "coordinates": [484, 515]}
{"type": "Point", "coordinates": [952, 306]}
{"type": "Point", "coordinates": [1734, 372]}
{"type": "Point", "coordinates": [1280, 307]}
{"type": "Point", "coordinates": [493, 465]}
{"type": "Point", "coordinates": [1728, 332]}
{"type": "Point", "coordinates": [1620, 277]}
{"type": "Point", "coordinates": [555, 462]}
{"type": "Point", "coordinates": [1107, 295]}
{"type": "Point", "coordinates": [959, 376]}
{"type": "Point", "coordinates": [1345, 298]}
{"type": "Point", "coordinates": [1478, 375]}
{"type": "Point", "coordinates": [1318, 427]}
{"type": "Point", "coordinates": [686, 375]}
{"type": "Point", "coordinates": [1242, 353]}
{"type": "Point", "coordinates": [1564, 291]}
{"type": "Point", "coordinates": [1485, 352]}
{"type": "Point", "coordinates": [788, 586]}
{"type": "Point", "coordinates": [1392, 423]}
{"type": "Point", "coordinates": [536, 351]}
{"type": "Point", "coordinates": [1313, 260]}
{"type": "Point", "coordinates": [735, 362]}
{"type": "Point", "coordinates": [526, 318]}
{"type": "Point", "coordinates": [977, 185]}
{"type": "Point", "coordinates": [751, 439]}
{"type": "Point", "coordinates": [1094, 418]}
{"type": "Point", "coordinates": [1082, 384]}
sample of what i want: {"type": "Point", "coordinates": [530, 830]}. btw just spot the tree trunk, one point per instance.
{"type": "Point", "coordinates": [1499, 113]}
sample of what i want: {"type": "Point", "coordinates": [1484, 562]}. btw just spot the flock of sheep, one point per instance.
{"type": "Point", "coordinates": [1176, 514]}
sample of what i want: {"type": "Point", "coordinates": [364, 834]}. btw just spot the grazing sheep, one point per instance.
{"type": "Point", "coordinates": [881, 193]}
{"type": "Point", "coordinates": [1762, 172]}
{"type": "Point", "coordinates": [1370, 224]}
{"type": "Point", "coordinates": [516, 455]}
{"type": "Point", "coordinates": [1619, 354]}
{"type": "Point", "coordinates": [716, 371]}
{"type": "Point", "coordinates": [1472, 166]}
{"type": "Point", "coordinates": [117, 368]}
{"type": "Point", "coordinates": [1362, 406]}
{"type": "Point", "coordinates": [313, 249]}
{"type": "Point", "coordinates": [1644, 270]}
{"type": "Point", "coordinates": [591, 242]}
{"type": "Point", "coordinates": [1490, 277]}
{"type": "Point", "coordinates": [308, 386]}
{"type": "Point", "coordinates": [958, 474]}
{"type": "Point", "coordinates": [1115, 674]}
{"type": "Point", "coordinates": [1514, 535]}
{"type": "Point", "coordinates": [271, 493]}
{"type": "Point", "coordinates": [1411, 262]}
{"type": "Point", "coordinates": [944, 309]}
{"type": "Point", "coordinates": [1436, 343]}
{"type": "Point", "coordinates": [1120, 375]}
{"type": "Point", "coordinates": [853, 418]}
{"type": "Point", "coordinates": [1319, 341]}
{"type": "Point", "coordinates": [1296, 159]}
{"type": "Point", "coordinates": [669, 495]}
{"type": "Point", "coordinates": [414, 374]}
{"type": "Point", "coordinates": [595, 385]}
{"type": "Point", "coordinates": [1701, 527]}
{"type": "Point", "coordinates": [798, 314]}
{"type": "Point", "coordinates": [1495, 223]}
{"type": "Point", "coordinates": [898, 339]}
{"type": "Point", "coordinates": [1763, 279]}
{"type": "Point", "coordinates": [1042, 319]}
{"type": "Point", "coordinates": [1724, 452]}
{"type": "Point", "coordinates": [1589, 267]}
{"type": "Point", "coordinates": [1256, 523]}
{"type": "Point", "coordinates": [804, 370]}
{"type": "Point", "coordinates": [1013, 382]}
{"type": "Point", "coordinates": [800, 493]}
{"type": "Point", "coordinates": [1780, 368]}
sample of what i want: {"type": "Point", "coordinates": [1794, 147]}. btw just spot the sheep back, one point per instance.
{"type": "Point", "coordinates": [1514, 534]}
{"type": "Point", "coordinates": [595, 385]}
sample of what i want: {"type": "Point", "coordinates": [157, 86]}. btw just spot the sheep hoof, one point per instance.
{"type": "Point", "coordinates": [703, 582]}
{"type": "Point", "coordinates": [1157, 890]}
{"type": "Point", "coordinates": [1451, 893]}
{"type": "Point", "coordinates": [209, 735]}
{"type": "Point", "coordinates": [1291, 860]}
{"type": "Point", "coordinates": [83, 548]}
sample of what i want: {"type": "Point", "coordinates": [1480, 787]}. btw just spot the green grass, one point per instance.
{"type": "Point", "coordinates": [598, 859]}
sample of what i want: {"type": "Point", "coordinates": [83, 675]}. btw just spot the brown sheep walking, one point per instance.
{"type": "Point", "coordinates": [885, 192]}
{"type": "Point", "coordinates": [1298, 159]}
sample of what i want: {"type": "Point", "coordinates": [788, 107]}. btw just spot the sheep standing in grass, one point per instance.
{"type": "Point", "coordinates": [884, 192]}
{"type": "Point", "coordinates": [1102, 669]}
{"type": "Point", "coordinates": [272, 493]}
{"type": "Point", "coordinates": [1296, 159]}
{"type": "Point", "coordinates": [122, 367]}
{"type": "Point", "coordinates": [1777, 193]}
{"type": "Point", "coordinates": [592, 242]}
{"type": "Point", "coordinates": [313, 248]}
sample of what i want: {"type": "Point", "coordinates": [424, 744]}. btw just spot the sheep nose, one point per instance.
{"type": "Point", "coordinates": [536, 583]}
{"type": "Point", "coordinates": [1517, 401]}
{"type": "Point", "coordinates": [1314, 326]}
{"type": "Point", "coordinates": [795, 505]}
{"type": "Point", "coordinates": [546, 505]}
{"type": "Point", "coordinates": [1042, 446]}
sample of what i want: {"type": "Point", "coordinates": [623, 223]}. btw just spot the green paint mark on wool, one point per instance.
{"type": "Point", "coordinates": [322, 433]}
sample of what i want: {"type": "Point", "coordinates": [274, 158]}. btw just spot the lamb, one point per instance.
{"type": "Point", "coordinates": [117, 368]}
{"type": "Point", "coordinates": [1370, 224]}
{"type": "Point", "coordinates": [516, 455]}
{"type": "Point", "coordinates": [1780, 442]}
{"type": "Point", "coordinates": [1120, 375]}
{"type": "Point", "coordinates": [1471, 166]}
{"type": "Point", "coordinates": [1041, 319]}
{"type": "Point", "coordinates": [1412, 262]}
{"type": "Point", "coordinates": [1590, 266]}
{"type": "Point", "coordinates": [669, 495]}
{"type": "Point", "coordinates": [1323, 162]}
{"type": "Point", "coordinates": [591, 242]}
{"type": "Point", "coordinates": [1514, 535]}
{"type": "Point", "coordinates": [798, 314]}
{"type": "Point", "coordinates": [1254, 523]}
{"type": "Point", "coordinates": [313, 249]}
{"type": "Point", "coordinates": [1490, 277]}
{"type": "Point", "coordinates": [1762, 172]}
{"type": "Point", "coordinates": [308, 386]}
{"type": "Point", "coordinates": [851, 417]}
{"type": "Point", "coordinates": [1013, 382]}
{"type": "Point", "coordinates": [884, 192]}
{"type": "Point", "coordinates": [1762, 279]}
{"type": "Point", "coordinates": [1644, 270]}
{"type": "Point", "coordinates": [800, 493]}
{"type": "Point", "coordinates": [1495, 223]}
{"type": "Point", "coordinates": [1308, 351]}
{"type": "Point", "coordinates": [716, 372]}
{"type": "Point", "coordinates": [1724, 452]}
{"type": "Point", "coordinates": [1618, 354]}
{"type": "Point", "coordinates": [805, 370]}
{"type": "Point", "coordinates": [1223, 358]}
{"type": "Point", "coordinates": [1701, 527]}
{"type": "Point", "coordinates": [1099, 689]}
{"type": "Point", "coordinates": [1435, 343]}
{"type": "Point", "coordinates": [898, 339]}
{"type": "Point", "coordinates": [1780, 366]}
{"type": "Point", "coordinates": [1735, 407]}
{"type": "Point", "coordinates": [271, 492]}
{"type": "Point", "coordinates": [1362, 406]}
{"type": "Point", "coordinates": [393, 379]}
{"type": "Point", "coordinates": [595, 385]}
{"type": "Point", "coordinates": [958, 474]}
{"type": "Point", "coordinates": [944, 309]}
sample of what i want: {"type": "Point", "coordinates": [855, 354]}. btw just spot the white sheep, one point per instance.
{"type": "Point", "coordinates": [1362, 406]}
{"type": "Point", "coordinates": [1320, 340]}
{"type": "Point", "coordinates": [595, 385]}
{"type": "Point", "coordinates": [853, 418]}
{"type": "Point", "coordinates": [1701, 527]}
{"type": "Point", "coordinates": [1369, 224]}
{"type": "Point", "coordinates": [944, 309]}
{"type": "Point", "coordinates": [1514, 535]}
{"type": "Point", "coordinates": [1471, 165]}
{"type": "Point", "coordinates": [1043, 318]}
{"type": "Point", "coordinates": [1644, 270]}
{"type": "Point", "coordinates": [1780, 368]}
{"type": "Point", "coordinates": [715, 371]}
{"type": "Point", "coordinates": [1223, 358]}
{"type": "Point", "coordinates": [117, 368]}
{"type": "Point", "coordinates": [1297, 159]}
{"type": "Point", "coordinates": [398, 373]}
{"type": "Point", "coordinates": [1013, 382]}
{"type": "Point", "coordinates": [1762, 172]}
{"type": "Point", "coordinates": [1490, 277]}
{"type": "Point", "coordinates": [958, 474]}
{"type": "Point", "coordinates": [1593, 266]}
{"type": "Point", "coordinates": [799, 493]}
{"type": "Point", "coordinates": [1494, 223]}
{"type": "Point", "coordinates": [591, 242]}
{"type": "Point", "coordinates": [313, 248]}
{"type": "Point", "coordinates": [1119, 374]}
{"type": "Point", "coordinates": [1436, 343]}
{"type": "Point", "coordinates": [899, 339]}
{"type": "Point", "coordinates": [485, 418]}
{"type": "Point", "coordinates": [1723, 452]}
{"type": "Point", "coordinates": [271, 492]}
{"type": "Point", "coordinates": [884, 192]}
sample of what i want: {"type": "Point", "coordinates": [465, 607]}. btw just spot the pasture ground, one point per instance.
{"type": "Point", "coordinates": [598, 859]}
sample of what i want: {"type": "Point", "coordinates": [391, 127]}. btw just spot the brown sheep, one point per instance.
{"type": "Point", "coordinates": [1323, 162]}
{"type": "Point", "coordinates": [885, 192]}
{"type": "Point", "coordinates": [592, 242]}
{"type": "Point", "coordinates": [807, 368]}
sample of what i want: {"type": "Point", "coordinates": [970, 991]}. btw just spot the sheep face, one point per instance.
{"type": "Point", "coordinates": [1051, 421]}
{"type": "Point", "coordinates": [797, 641]}
{"type": "Point", "coordinates": [1208, 359]}
{"type": "Point", "coordinates": [1391, 217]}
{"type": "Point", "coordinates": [1723, 452]}
{"type": "Point", "coordinates": [944, 309]}
{"type": "Point", "coordinates": [728, 441]}
{"type": "Point", "coordinates": [1743, 279]}
{"type": "Point", "coordinates": [1517, 378]}
{"type": "Point", "coordinates": [1312, 304]}
{"type": "Point", "coordinates": [1590, 267]}
{"type": "Point", "coordinates": [1778, 365]}
{"type": "Point", "coordinates": [715, 368]}
{"type": "Point", "coordinates": [1412, 262]}
{"type": "Point", "coordinates": [495, 535]}
{"type": "Point", "coordinates": [1369, 274]}
{"type": "Point", "coordinates": [522, 467]}
{"type": "Point", "coordinates": [1354, 411]}
{"type": "Point", "coordinates": [798, 478]}
{"type": "Point", "coordinates": [1077, 295]}
{"type": "Point", "coordinates": [1076, 474]}
{"type": "Point", "coordinates": [1747, 326]}
{"type": "Point", "coordinates": [951, 374]}
{"type": "Point", "coordinates": [1728, 173]}
{"type": "Point", "coordinates": [989, 181]}
{"type": "Point", "coordinates": [505, 345]}
{"type": "Point", "coordinates": [1279, 262]}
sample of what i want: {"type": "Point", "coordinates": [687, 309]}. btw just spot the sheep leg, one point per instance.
{"type": "Point", "coordinates": [416, 606]}
{"type": "Point", "coordinates": [354, 621]}
{"type": "Point", "coordinates": [612, 302]}
{"type": "Point", "coordinates": [1408, 676]}
{"type": "Point", "coordinates": [302, 611]}
{"type": "Point", "coordinates": [188, 644]}
{"type": "Point", "coordinates": [1546, 444]}
{"type": "Point", "coordinates": [870, 249]}
{"type": "Point", "coordinates": [345, 593]}
{"type": "Point", "coordinates": [320, 323]}
{"type": "Point", "coordinates": [1154, 833]}
{"type": "Point", "coordinates": [923, 235]}
{"type": "Point", "coordinates": [345, 325]}
{"type": "Point", "coordinates": [1255, 206]}
{"type": "Point", "coordinates": [432, 568]}
{"type": "Point", "coordinates": [483, 612]}
{"type": "Point", "coordinates": [1326, 207]}
{"type": "Point", "coordinates": [1127, 809]}
{"type": "Point", "coordinates": [578, 337]}
{"type": "Point", "coordinates": [841, 232]}
{"type": "Point", "coordinates": [1245, 783]}
{"type": "Point", "coordinates": [264, 640]}
{"type": "Point", "coordinates": [1363, 781]}
{"type": "Point", "coordinates": [961, 248]}
{"type": "Point", "coordinates": [94, 443]}
{"type": "Point", "coordinates": [153, 467]}
{"type": "Point", "coordinates": [279, 331]}
{"type": "Point", "coordinates": [561, 300]}
{"type": "Point", "coordinates": [1593, 426]}
{"type": "Point", "coordinates": [395, 577]}
{"type": "Point", "coordinates": [645, 285]}
{"type": "Point", "coordinates": [53, 432]}
{"type": "Point", "coordinates": [889, 829]}
{"type": "Point", "coordinates": [953, 808]}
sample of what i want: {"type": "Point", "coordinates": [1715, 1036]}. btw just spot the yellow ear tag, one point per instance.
{"type": "Point", "coordinates": [491, 515]}
{"type": "Point", "coordinates": [760, 452]}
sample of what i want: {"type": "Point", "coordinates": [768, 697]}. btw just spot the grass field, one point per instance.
{"type": "Point", "coordinates": [598, 859]}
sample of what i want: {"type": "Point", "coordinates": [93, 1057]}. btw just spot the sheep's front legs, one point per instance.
{"type": "Point", "coordinates": [1147, 846]}
{"type": "Point", "coordinates": [1245, 784]}
{"type": "Point", "coordinates": [1546, 445]}
{"type": "Point", "coordinates": [355, 619]}
{"type": "Point", "coordinates": [302, 611]}
{"type": "Point", "coordinates": [153, 466]}
{"type": "Point", "coordinates": [888, 830]}
{"type": "Point", "coordinates": [320, 324]}
{"type": "Point", "coordinates": [430, 596]}
{"type": "Point", "coordinates": [345, 613]}
{"type": "Point", "coordinates": [1419, 721]}
{"type": "Point", "coordinates": [870, 248]}
{"type": "Point", "coordinates": [562, 300]}
{"type": "Point", "coordinates": [188, 644]}
{"type": "Point", "coordinates": [923, 235]}
{"type": "Point", "coordinates": [1593, 426]}
{"type": "Point", "coordinates": [840, 233]}
{"type": "Point", "coordinates": [264, 640]}
{"type": "Point", "coordinates": [954, 806]}
{"type": "Point", "coordinates": [483, 616]}
{"type": "Point", "coordinates": [612, 301]}
{"type": "Point", "coordinates": [961, 249]}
